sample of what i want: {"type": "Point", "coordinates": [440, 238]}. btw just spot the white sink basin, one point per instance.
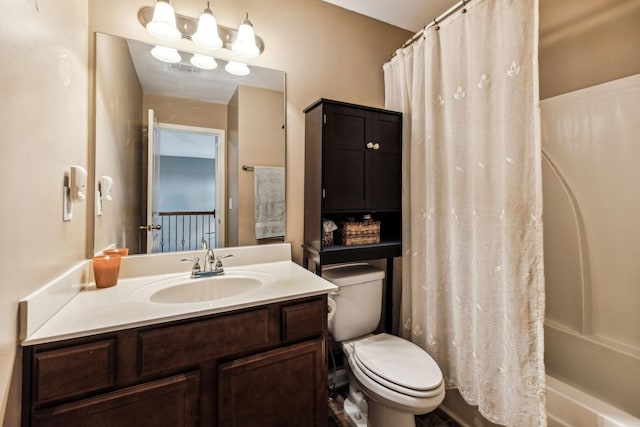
{"type": "Point", "coordinates": [184, 290]}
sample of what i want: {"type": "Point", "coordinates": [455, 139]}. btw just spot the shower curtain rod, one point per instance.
{"type": "Point", "coordinates": [435, 22]}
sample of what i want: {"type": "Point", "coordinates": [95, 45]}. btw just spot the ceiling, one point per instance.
{"type": "Point", "coordinates": [186, 81]}
{"type": "Point", "coordinates": [411, 15]}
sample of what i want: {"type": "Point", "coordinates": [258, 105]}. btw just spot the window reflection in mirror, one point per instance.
{"type": "Point", "coordinates": [174, 139]}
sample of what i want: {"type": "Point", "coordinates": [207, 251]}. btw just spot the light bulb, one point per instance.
{"type": "Point", "coordinates": [205, 62]}
{"type": "Point", "coordinates": [166, 54]}
{"type": "Point", "coordinates": [245, 45]}
{"type": "Point", "coordinates": [163, 24]}
{"type": "Point", "coordinates": [207, 36]}
{"type": "Point", "coordinates": [237, 68]}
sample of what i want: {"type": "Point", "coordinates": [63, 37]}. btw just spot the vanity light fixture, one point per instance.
{"type": "Point", "coordinates": [163, 23]}
{"type": "Point", "coordinates": [166, 54]}
{"type": "Point", "coordinates": [204, 62]}
{"type": "Point", "coordinates": [245, 45]}
{"type": "Point", "coordinates": [237, 68]}
{"type": "Point", "coordinates": [243, 42]}
{"type": "Point", "coordinates": [206, 36]}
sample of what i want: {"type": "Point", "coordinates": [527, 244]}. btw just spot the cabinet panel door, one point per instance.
{"type": "Point", "coordinates": [384, 164]}
{"type": "Point", "coordinates": [170, 402]}
{"type": "Point", "coordinates": [344, 158]}
{"type": "Point", "coordinates": [284, 387]}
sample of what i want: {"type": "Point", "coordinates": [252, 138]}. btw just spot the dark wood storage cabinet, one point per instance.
{"type": "Point", "coordinates": [353, 167]}
{"type": "Point", "coordinates": [261, 366]}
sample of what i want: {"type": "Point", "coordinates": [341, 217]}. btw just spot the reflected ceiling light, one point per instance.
{"type": "Point", "coordinates": [163, 24]}
{"type": "Point", "coordinates": [166, 54]}
{"type": "Point", "coordinates": [237, 68]}
{"type": "Point", "coordinates": [207, 36]}
{"type": "Point", "coordinates": [205, 62]}
{"type": "Point", "coordinates": [245, 45]}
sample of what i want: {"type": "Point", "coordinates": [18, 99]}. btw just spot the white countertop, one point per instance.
{"type": "Point", "coordinates": [93, 311]}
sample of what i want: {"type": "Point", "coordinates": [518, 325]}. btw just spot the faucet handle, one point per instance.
{"type": "Point", "coordinates": [196, 265]}
{"type": "Point", "coordinates": [219, 268]}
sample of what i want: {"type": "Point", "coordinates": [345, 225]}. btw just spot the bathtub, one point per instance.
{"type": "Point", "coordinates": [566, 407]}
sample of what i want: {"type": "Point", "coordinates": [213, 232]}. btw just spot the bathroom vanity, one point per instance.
{"type": "Point", "coordinates": [258, 358]}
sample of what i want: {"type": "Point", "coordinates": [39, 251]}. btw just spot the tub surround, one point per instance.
{"type": "Point", "coordinates": [71, 306]}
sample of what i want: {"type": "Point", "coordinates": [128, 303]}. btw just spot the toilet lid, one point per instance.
{"type": "Point", "coordinates": [397, 364]}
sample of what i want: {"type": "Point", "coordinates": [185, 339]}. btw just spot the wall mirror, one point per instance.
{"type": "Point", "coordinates": [186, 156]}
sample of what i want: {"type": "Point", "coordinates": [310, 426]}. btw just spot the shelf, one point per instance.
{"type": "Point", "coordinates": [330, 248]}
{"type": "Point", "coordinates": [337, 253]}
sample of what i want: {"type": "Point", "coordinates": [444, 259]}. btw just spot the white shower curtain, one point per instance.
{"type": "Point", "coordinates": [473, 280]}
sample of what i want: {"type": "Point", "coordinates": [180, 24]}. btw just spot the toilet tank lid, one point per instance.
{"type": "Point", "coordinates": [351, 274]}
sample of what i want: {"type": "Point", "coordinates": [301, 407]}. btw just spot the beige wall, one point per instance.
{"type": "Point", "coordinates": [185, 112]}
{"type": "Point", "coordinates": [43, 122]}
{"type": "Point", "coordinates": [118, 138]}
{"type": "Point", "coordinates": [233, 169]}
{"type": "Point", "coordinates": [325, 51]}
{"type": "Point", "coordinates": [261, 116]}
{"type": "Point", "coordinates": [44, 71]}
{"type": "Point", "coordinates": [255, 117]}
{"type": "Point", "coordinates": [587, 42]}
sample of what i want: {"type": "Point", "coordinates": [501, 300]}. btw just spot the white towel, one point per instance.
{"type": "Point", "coordinates": [268, 187]}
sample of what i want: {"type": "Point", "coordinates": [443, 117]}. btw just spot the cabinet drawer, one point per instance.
{"type": "Point", "coordinates": [304, 320]}
{"type": "Point", "coordinates": [175, 347]}
{"type": "Point", "coordinates": [74, 370]}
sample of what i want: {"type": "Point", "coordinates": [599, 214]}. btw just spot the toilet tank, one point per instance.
{"type": "Point", "coordinates": [358, 301]}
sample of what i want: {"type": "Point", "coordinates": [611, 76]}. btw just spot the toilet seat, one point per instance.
{"type": "Point", "coordinates": [398, 364]}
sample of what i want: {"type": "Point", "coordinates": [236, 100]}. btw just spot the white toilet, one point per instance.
{"type": "Point", "coordinates": [397, 378]}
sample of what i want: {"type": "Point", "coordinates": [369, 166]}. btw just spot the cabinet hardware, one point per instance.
{"type": "Point", "coordinates": [370, 145]}
{"type": "Point", "coordinates": [376, 146]}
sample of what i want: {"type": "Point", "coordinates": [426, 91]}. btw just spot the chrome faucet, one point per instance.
{"type": "Point", "coordinates": [214, 264]}
{"type": "Point", "coordinates": [212, 267]}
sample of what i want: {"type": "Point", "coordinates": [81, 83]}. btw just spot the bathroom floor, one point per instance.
{"type": "Point", "coordinates": [437, 418]}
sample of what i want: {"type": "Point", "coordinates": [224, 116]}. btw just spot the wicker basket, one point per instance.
{"type": "Point", "coordinates": [358, 233]}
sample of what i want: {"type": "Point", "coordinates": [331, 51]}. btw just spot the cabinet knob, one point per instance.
{"type": "Point", "coordinates": [376, 146]}
{"type": "Point", "coordinates": [370, 145]}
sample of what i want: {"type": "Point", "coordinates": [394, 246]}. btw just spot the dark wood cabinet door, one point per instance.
{"type": "Point", "coordinates": [170, 402]}
{"type": "Point", "coordinates": [283, 387]}
{"type": "Point", "coordinates": [362, 165]}
{"type": "Point", "coordinates": [384, 162]}
{"type": "Point", "coordinates": [344, 158]}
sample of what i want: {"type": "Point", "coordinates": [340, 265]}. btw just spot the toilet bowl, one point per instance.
{"type": "Point", "coordinates": [390, 379]}
{"type": "Point", "coordinates": [398, 378]}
